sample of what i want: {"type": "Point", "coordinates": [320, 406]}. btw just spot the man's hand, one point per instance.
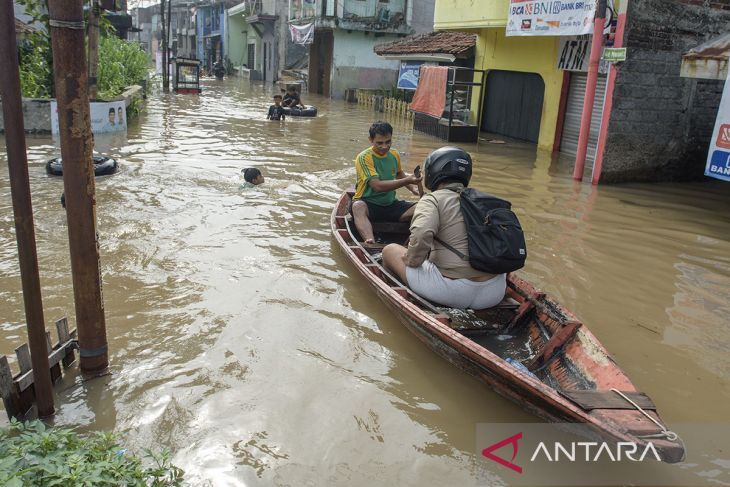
{"type": "Point", "coordinates": [413, 179]}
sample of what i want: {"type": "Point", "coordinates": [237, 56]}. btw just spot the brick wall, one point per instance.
{"type": "Point", "coordinates": [661, 124]}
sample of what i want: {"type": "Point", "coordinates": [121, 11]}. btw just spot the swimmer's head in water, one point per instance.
{"type": "Point", "coordinates": [253, 175]}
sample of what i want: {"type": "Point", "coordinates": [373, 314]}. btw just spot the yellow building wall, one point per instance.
{"type": "Point", "coordinates": [534, 54]}
{"type": "Point", "coordinates": [494, 50]}
{"type": "Point", "coordinates": [470, 14]}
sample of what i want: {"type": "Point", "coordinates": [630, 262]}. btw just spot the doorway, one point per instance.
{"type": "Point", "coordinates": [320, 62]}
{"type": "Point", "coordinates": [513, 104]}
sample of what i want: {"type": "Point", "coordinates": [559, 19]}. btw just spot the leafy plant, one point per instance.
{"type": "Point", "coordinates": [34, 454]}
{"type": "Point", "coordinates": [121, 63]}
{"type": "Point", "coordinates": [35, 56]}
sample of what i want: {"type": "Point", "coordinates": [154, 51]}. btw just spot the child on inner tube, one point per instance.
{"type": "Point", "coordinates": [292, 98]}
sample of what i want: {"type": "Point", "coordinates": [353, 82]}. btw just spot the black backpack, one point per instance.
{"type": "Point", "coordinates": [496, 241]}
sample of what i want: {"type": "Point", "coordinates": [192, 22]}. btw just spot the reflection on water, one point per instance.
{"type": "Point", "coordinates": [242, 340]}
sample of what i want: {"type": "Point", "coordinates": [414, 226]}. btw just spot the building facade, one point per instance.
{"type": "Point", "coordinates": [345, 32]}
{"type": "Point", "coordinates": [648, 123]}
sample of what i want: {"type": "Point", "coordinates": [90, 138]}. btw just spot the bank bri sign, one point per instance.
{"type": "Point", "coordinates": [718, 159]}
{"type": "Point", "coordinates": [550, 17]}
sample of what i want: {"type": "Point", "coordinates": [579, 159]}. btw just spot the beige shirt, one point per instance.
{"type": "Point", "coordinates": [439, 214]}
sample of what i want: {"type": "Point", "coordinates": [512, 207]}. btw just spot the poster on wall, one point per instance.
{"type": "Point", "coordinates": [718, 159]}
{"type": "Point", "coordinates": [105, 117]}
{"type": "Point", "coordinates": [550, 18]}
{"type": "Point", "coordinates": [302, 34]}
{"type": "Point", "coordinates": [408, 75]}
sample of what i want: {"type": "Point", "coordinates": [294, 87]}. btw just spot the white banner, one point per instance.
{"type": "Point", "coordinates": [550, 17]}
{"type": "Point", "coordinates": [302, 34]}
{"type": "Point", "coordinates": [718, 159]}
{"type": "Point", "coordinates": [105, 117]}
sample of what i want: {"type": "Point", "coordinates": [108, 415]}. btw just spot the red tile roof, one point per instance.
{"type": "Point", "coordinates": [447, 42]}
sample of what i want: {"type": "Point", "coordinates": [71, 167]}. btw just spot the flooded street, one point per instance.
{"type": "Point", "coordinates": [241, 339]}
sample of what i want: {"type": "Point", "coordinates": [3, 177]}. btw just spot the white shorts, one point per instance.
{"type": "Point", "coordinates": [428, 282]}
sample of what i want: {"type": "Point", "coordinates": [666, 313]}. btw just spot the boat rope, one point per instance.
{"type": "Point", "coordinates": [669, 435]}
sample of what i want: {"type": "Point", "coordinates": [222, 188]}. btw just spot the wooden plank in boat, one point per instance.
{"type": "Point", "coordinates": [560, 338]}
{"type": "Point", "coordinates": [589, 400]}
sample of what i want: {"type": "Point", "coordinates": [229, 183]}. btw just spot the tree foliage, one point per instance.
{"type": "Point", "coordinates": [121, 63]}
{"type": "Point", "coordinates": [33, 454]}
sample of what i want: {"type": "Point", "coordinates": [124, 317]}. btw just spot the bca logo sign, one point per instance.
{"type": "Point", "coordinates": [723, 138]}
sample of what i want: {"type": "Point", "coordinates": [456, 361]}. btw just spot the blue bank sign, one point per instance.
{"type": "Point", "coordinates": [408, 76]}
{"type": "Point", "coordinates": [718, 159]}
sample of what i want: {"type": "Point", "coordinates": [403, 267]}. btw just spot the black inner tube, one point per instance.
{"type": "Point", "coordinates": [102, 166]}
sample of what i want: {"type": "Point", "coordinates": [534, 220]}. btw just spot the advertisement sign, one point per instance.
{"type": "Point", "coordinates": [575, 53]}
{"type": "Point", "coordinates": [718, 159]}
{"type": "Point", "coordinates": [550, 18]}
{"type": "Point", "coordinates": [105, 117]}
{"type": "Point", "coordinates": [408, 75]}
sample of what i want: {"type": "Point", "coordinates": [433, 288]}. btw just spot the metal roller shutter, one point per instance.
{"type": "Point", "coordinates": [573, 111]}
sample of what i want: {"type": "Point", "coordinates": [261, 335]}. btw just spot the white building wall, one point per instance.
{"type": "Point", "coordinates": [355, 65]}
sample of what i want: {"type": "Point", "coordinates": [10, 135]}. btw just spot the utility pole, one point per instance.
{"type": "Point", "coordinates": [591, 82]}
{"type": "Point", "coordinates": [94, 15]}
{"type": "Point", "coordinates": [163, 27]}
{"type": "Point", "coordinates": [23, 209]}
{"type": "Point", "coordinates": [71, 80]}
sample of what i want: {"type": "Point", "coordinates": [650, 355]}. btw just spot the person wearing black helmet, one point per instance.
{"type": "Point", "coordinates": [427, 266]}
{"type": "Point", "coordinates": [379, 174]}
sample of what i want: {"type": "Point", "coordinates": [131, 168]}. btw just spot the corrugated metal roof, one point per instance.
{"type": "Point", "coordinates": [715, 49]}
{"type": "Point", "coordinates": [447, 42]}
{"type": "Point", "coordinates": [708, 60]}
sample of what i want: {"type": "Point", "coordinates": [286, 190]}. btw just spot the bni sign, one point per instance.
{"type": "Point", "coordinates": [718, 158]}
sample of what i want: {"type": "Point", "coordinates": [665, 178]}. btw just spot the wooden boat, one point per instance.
{"type": "Point", "coordinates": [529, 349]}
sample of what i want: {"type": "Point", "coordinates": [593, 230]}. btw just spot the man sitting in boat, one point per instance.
{"type": "Point", "coordinates": [427, 266]}
{"type": "Point", "coordinates": [379, 174]}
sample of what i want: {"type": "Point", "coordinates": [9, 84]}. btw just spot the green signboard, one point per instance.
{"type": "Point", "coordinates": [614, 54]}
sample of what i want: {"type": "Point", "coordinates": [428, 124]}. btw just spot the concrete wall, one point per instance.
{"type": "Point", "coordinates": [37, 111]}
{"type": "Point", "coordinates": [421, 15]}
{"type": "Point", "coordinates": [355, 65]}
{"type": "Point", "coordinates": [237, 40]}
{"type": "Point", "coordinates": [661, 124]}
{"type": "Point", "coordinates": [36, 116]}
{"type": "Point", "coordinates": [458, 14]}
{"type": "Point", "coordinates": [529, 55]}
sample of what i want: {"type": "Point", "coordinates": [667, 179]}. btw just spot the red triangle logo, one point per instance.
{"type": "Point", "coordinates": [512, 440]}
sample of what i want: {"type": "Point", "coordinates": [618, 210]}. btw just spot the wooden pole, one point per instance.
{"type": "Point", "coordinates": [69, 69]}
{"type": "Point", "coordinates": [590, 95]}
{"type": "Point", "coordinates": [163, 41]}
{"type": "Point", "coordinates": [23, 208]}
{"type": "Point", "coordinates": [94, 15]}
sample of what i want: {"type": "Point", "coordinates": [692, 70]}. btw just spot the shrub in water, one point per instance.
{"type": "Point", "coordinates": [34, 454]}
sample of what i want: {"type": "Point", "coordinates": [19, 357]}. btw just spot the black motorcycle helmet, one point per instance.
{"type": "Point", "coordinates": [447, 163]}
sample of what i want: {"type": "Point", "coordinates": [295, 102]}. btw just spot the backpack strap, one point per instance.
{"type": "Point", "coordinates": [459, 254]}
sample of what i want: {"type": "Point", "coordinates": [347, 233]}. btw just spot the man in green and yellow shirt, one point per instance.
{"type": "Point", "coordinates": [379, 174]}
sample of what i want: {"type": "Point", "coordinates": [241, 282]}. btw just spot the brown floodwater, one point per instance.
{"type": "Point", "coordinates": [242, 340]}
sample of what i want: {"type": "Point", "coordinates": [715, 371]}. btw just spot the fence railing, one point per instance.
{"type": "Point", "coordinates": [381, 103]}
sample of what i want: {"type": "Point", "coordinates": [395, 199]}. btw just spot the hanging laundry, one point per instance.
{"type": "Point", "coordinates": [430, 95]}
